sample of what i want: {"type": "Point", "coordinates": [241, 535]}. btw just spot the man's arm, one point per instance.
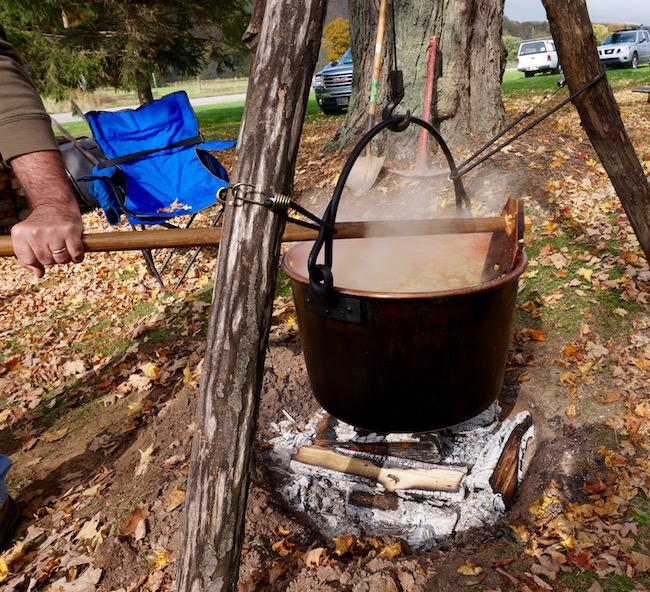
{"type": "Point", "coordinates": [52, 232]}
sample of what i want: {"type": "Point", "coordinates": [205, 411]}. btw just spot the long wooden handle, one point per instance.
{"type": "Point", "coordinates": [376, 65]}
{"type": "Point", "coordinates": [435, 479]}
{"type": "Point", "coordinates": [201, 237]}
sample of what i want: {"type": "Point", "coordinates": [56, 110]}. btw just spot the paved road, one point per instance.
{"type": "Point", "coordinates": [69, 118]}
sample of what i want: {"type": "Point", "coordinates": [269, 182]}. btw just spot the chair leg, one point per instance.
{"type": "Point", "coordinates": [151, 266]}
{"type": "Point", "coordinates": [197, 251]}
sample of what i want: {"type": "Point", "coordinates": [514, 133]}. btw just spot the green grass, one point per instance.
{"type": "Point", "coordinates": [219, 121]}
{"type": "Point", "coordinates": [105, 98]}
{"type": "Point", "coordinates": [572, 308]}
{"type": "Point", "coordinates": [516, 85]}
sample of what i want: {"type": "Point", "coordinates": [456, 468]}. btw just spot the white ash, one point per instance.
{"type": "Point", "coordinates": [329, 498]}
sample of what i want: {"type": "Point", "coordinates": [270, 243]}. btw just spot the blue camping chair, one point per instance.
{"type": "Point", "coordinates": [158, 168]}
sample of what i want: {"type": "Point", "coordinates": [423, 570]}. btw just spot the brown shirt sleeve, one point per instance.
{"type": "Point", "coordinates": [24, 123]}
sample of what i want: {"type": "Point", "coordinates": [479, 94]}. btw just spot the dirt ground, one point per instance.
{"type": "Point", "coordinates": [102, 481]}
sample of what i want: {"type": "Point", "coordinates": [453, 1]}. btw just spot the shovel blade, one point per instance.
{"type": "Point", "coordinates": [363, 175]}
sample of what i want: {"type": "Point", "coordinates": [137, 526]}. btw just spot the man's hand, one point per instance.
{"type": "Point", "coordinates": [52, 232]}
{"type": "Point", "coordinates": [49, 235]}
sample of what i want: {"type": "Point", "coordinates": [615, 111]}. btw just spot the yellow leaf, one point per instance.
{"type": "Point", "coordinates": [281, 531]}
{"type": "Point", "coordinates": [4, 569]}
{"type": "Point", "coordinates": [344, 544]}
{"type": "Point", "coordinates": [585, 273]}
{"type": "Point", "coordinates": [391, 551]}
{"type": "Point", "coordinates": [621, 312]}
{"type": "Point", "coordinates": [641, 409]}
{"type": "Point", "coordinates": [571, 411]}
{"type": "Point", "coordinates": [161, 559]}
{"type": "Point", "coordinates": [151, 371]}
{"type": "Point", "coordinates": [568, 542]}
{"type": "Point", "coordinates": [584, 368]}
{"type": "Point", "coordinates": [469, 569]}
{"type": "Point", "coordinates": [283, 547]}
{"type": "Point", "coordinates": [175, 499]}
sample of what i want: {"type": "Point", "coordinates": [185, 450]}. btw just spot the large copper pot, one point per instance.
{"type": "Point", "coordinates": [389, 358]}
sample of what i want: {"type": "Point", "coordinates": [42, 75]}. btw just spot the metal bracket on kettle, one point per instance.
{"type": "Point", "coordinates": [344, 308]}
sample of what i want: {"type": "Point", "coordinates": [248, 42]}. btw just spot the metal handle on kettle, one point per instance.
{"type": "Point", "coordinates": [320, 275]}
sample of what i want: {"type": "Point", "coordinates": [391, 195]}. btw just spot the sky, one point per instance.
{"type": "Point", "coordinates": [600, 11]}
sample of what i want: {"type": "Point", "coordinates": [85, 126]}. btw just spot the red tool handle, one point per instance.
{"type": "Point", "coordinates": [423, 146]}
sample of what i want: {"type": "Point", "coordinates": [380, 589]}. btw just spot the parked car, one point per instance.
{"type": "Point", "coordinates": [627, 48]}
{"type": "Point", "coordinates": [333, 85]}
{"type": "Point", "coordinates": [537, 55]}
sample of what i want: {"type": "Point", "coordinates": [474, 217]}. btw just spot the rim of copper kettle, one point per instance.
{"type": "Point", "coordinates": [521, 263]}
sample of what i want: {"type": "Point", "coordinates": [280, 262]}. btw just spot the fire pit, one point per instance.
{"type": "Point", "coordinates": [421, 488]}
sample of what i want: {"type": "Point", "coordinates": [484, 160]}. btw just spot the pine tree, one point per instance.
{"type": "Point", "coordinates": [121, 42]}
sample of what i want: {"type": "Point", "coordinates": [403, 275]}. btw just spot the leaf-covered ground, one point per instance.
{"type": "Point", "coordinates": [100, 367]}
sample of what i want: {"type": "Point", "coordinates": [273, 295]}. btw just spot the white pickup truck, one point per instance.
{"type": "Point", "coordinates": [538, 55]}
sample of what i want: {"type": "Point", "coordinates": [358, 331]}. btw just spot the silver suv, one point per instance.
{"type": "Point", "coordinates": [627, 48]}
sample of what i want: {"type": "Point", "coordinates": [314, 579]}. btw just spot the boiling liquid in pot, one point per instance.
{"type": "Point", "coordinates": [405, 264]}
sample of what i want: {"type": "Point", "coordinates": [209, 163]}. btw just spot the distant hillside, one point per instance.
{"type": "Point", "coordinates": [526, 30]}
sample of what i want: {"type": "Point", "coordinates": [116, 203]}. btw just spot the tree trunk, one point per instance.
{"type": "Point", "coordinates": [145, 94]}
{"type": "Point", "coordinates": [471, 60]}
{"type": "Point", "coordinates": [599, 112]}
{"type": "Point", "coordinates": [279, 85]}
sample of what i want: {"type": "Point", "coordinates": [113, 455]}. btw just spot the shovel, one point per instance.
{"type": "Point", "coordinates": [366, 169]}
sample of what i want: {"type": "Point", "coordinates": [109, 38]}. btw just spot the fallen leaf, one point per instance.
{"type": "Point", "coordinates": [283, 547]}
{"type": "Point", "coordinates": [391, 551]}
{"type": "Point", "coordinates": [73, 367]}
{"type": "Point", "coordinates": [571, 411]}
{"type": "Point", "coordinates": [91, 532]}
{"type": "Point", "coordinates": [50, 437]}
{"type": "Point", "coordinates": [87, 582]}
{"type": "Point", "coordinates": [314, 557]}
{"type": "Point", "coordinates": [134, 525]}
{"type": "Point", "coordinates": [145, 459]}
{"type": "Point", "coordinates": [175, 499]}
{"type": "Point", "coordinates": [641, 561]}
{"type": "Point", "coordinates": [344, 544]}
{"type": "Point", "coordinates": [469, 569]}
{"type": "Point", "coordinates": [279, 530]}
{"type": "Point", "coordinates": [161, 559]}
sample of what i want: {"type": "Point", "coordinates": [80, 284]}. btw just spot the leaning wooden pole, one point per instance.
{"type": "Point", "coordinates": [284, 58]}
{"type": "Point", "coordinates": [599, 112]}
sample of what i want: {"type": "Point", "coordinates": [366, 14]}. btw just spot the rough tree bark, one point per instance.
{"type": "Point", "coordinates": [279, 84]}
{"type": "Point", "coordinates": [467, 94]}
{"type": "Point", "coordinates": [599, 113]}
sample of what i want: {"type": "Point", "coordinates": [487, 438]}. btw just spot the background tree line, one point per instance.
{"type": "Point", "coordinates": [121, 43]}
